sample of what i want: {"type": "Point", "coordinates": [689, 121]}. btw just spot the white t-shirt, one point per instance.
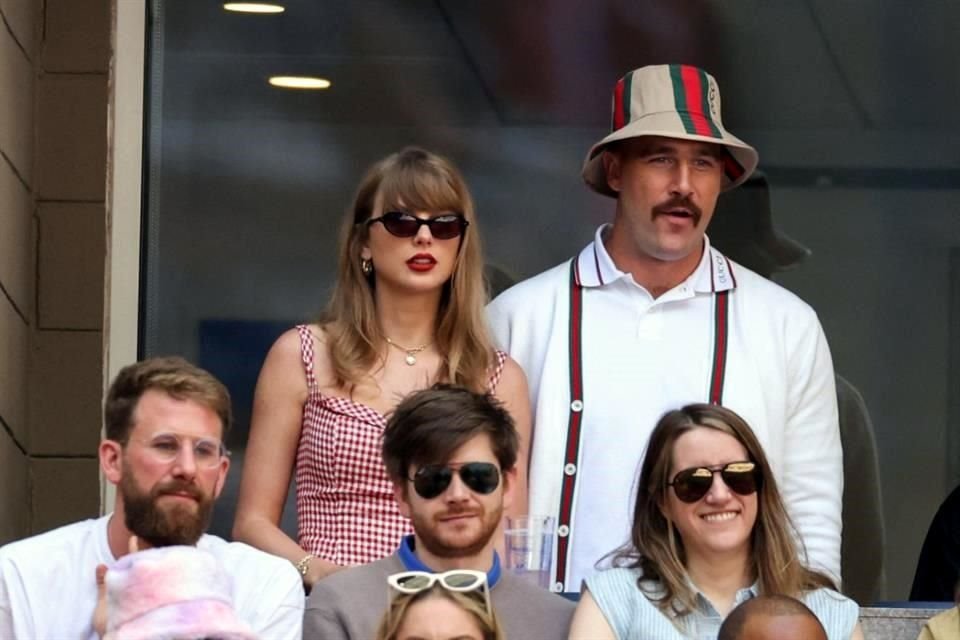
{"type": "Point", "coordinates": [48, 585]}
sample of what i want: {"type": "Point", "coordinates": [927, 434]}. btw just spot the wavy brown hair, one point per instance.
{"type": "Point", "coordinates": [415, 180]}
{"type": "Point", "coordinates": [656, 549]}
{"type": "Point", "coordinates": [467, 600]}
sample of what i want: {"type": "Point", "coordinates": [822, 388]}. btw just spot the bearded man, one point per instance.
{"type": "Point", "coordinates": [451, 455]}
{"type": "Point", "coordinates": [165, 424]}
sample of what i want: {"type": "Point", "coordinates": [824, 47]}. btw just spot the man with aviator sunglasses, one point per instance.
{"type": "Point", "coordinates": [451, 455]}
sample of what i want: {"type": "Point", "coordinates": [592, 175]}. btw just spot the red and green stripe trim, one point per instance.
{"type": "Point", "coordinates": [721, 313]}
{"type": "Point", "coordinates": [574, 422]}
{"type": "Point", "coordinates": [621, 102]}
{"type": "Point", "coordinates": [733, 169]}
{"type": "Point", "coordinates": [690, 93]}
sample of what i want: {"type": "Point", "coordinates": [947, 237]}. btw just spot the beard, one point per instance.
{"type": "Point", "coordinates": [445, 544]}
{"type": "Point", "coordinates": [164, 526]}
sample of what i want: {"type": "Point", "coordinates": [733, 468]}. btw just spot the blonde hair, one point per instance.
{"type": "Point", "coordinates": [657, 550]}
{"type": "Point", "coordinates": [418, 180]}
{"type": "Point", "coordinates": [470, 601]}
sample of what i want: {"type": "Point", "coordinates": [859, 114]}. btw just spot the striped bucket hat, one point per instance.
{"type": "Point", "coordinates": [673, 101]}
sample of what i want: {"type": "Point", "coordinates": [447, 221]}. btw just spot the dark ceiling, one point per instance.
{"type": "Point", "coordinates": [885, 65]}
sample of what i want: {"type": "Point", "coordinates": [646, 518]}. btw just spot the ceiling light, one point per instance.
{"type": "Point", "coordinates": [299, 82]}
{"type": "Point", "coordinates": [253, 7]}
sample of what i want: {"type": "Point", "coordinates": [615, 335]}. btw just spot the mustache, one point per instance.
{"type": "Point", "coordinates": [454, 512]}
{"type": "Point", "coordinates": [679, 202]}
{"type": "Point", "coordinates": [188, 488]}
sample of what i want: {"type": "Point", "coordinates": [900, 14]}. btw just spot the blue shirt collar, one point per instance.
{"type": "Point", "coordinates": [411, 562]}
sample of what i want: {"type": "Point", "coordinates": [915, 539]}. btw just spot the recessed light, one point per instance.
{"type": "Point", "coordinates": [253, 7]}
{"type": "Point", "coordinates": [299, 82]}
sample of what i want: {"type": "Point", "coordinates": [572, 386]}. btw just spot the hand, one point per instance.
{"type": "Point", "coordinates": [318, 570]}
{"type": "Point", "coordinates": [100, 611]}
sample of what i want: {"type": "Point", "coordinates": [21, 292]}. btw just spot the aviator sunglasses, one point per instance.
{"type": "Point", "coordinates": [433, 479]}
{"type": "Point", "coordinates": [690, 485]}
{"type": "Point", "coordinates": [405, 225]}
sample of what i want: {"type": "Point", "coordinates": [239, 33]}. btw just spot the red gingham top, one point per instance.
{"type": "Point", "coordinates": [346, 511]}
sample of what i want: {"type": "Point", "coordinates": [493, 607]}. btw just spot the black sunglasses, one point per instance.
{"type": "Point", "coordinates": [405, 225]}
{"type": "Point", "coordinates": [692, 484]}
{"type": "Point", "coordinates": [433, 479]}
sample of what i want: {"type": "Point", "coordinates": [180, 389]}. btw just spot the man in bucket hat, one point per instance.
{"type": "Point", "coordinates": [649, 317]}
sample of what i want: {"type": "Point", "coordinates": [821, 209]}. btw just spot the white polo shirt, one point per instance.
{"type": "Point", "coordinates": [642, 357]}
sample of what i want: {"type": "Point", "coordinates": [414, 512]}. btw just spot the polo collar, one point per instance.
{"type": "Point", "coordinates": [741, 596]}
{"type": "Point", "coordinates": [595, 267]}
{"type": "Point", "coordinates": [411, 562]}
{"type": "Point", "coordinates": [705, 607]}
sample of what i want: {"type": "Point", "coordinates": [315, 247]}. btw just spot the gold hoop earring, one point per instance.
{"type": "Point", "coordinates": [366, 266]}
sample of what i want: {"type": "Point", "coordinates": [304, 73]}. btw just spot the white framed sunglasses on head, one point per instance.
{"type": "Point", "coordinates": [460, 580]}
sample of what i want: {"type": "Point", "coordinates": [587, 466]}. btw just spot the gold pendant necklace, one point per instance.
{"type": "Point", "coordinates": [411, 358]}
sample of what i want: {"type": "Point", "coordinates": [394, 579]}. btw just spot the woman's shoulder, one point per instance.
{"type": "Point", "coordinates": [828, 597]}
{"type": "Point", "coordinates": [614, 576]}
{"type": "Point", "coordinates": [626, 606]}
{"type": "Point", "coordinates": [836, 612]}
{"type": "Point", "coordinates": [621, 585]}
{"type": "Point", "coordinates": [298, 350]}
{"type": "Point", "coordinates": [509, 369]}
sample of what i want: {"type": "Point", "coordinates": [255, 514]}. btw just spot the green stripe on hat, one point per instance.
{"type": "Point", "coordinates": [680, 98]}
{"type": "Point", "coordinates": [627, 93]}
{"type": "Point", "coordinates": [705, 100]}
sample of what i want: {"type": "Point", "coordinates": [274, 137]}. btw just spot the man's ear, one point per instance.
{"type": "Point", "coordinates": [111, 460]}
{"type": "Point", "coordinates": [612, 168]}
{"type": "Point", "coordinates": [403, 502]}
{"type": "Point", "coordinates": [221, 477]}
{"type": "Point", "coordinates": [509, 479]}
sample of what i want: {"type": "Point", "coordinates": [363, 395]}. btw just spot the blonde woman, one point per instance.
{"type": "Point", "coordinates": [709, 531]}
{"type": "Point", "coordinates": [454, 604]}
{"type": "Point", "coordinates": [407, 312]}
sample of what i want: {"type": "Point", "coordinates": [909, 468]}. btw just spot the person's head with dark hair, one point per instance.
{"type": "Point", "coordinates": [773, 617]}
{"type": "Point", "coordinates": [451, 454]}
{"type": "Point", "coordinates": [165, 424]}
{"type": "Point", "coordinates": [742, 229]}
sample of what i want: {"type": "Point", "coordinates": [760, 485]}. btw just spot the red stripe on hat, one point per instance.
{"type": "Point", "coordinates": [693, 89]}
{"type": "Point", "coordinates": [731, 167]}
{"type": "Point", "coordinates": [618, 115]}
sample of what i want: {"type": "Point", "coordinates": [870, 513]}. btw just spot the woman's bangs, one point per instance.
{"type": "Point", "coordinates": [417, 189]}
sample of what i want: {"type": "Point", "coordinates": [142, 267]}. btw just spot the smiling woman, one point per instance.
{"type": "Point", "coordinates": [710, 531]}
{"type": "Point", "coordinates": [406, 312]}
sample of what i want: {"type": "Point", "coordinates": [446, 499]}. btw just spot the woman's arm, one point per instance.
{"type": "Point", "coordinates": [857, 632]}
{"type": "Point", "coordinates": [588, 622]}
{"type": "Point", "coordinates": [512, 392]}
{"type": "Point", "coordinates": [271, 454]}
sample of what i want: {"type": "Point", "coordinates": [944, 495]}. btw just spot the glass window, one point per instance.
{"type": "Point", "coordinates": [850, 105]}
